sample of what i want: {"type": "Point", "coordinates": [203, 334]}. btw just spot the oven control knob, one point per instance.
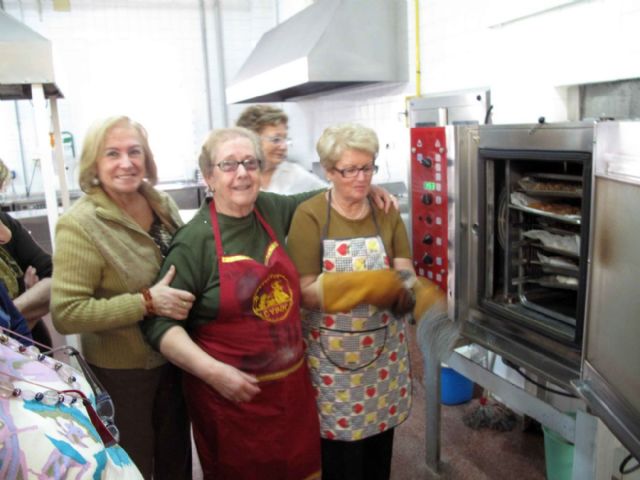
{"type": "Point", "coordinates": [427, 239]}
{"type": "Point", "coordinates": [426, 161]}
{"type": "Point", "coordinates": [427, 199]}
{"type": "Point", "coordinates": [427, 259]}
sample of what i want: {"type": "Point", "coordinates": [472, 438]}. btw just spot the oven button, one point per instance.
{"type": "Point", "coordinates": [427, 259]}
{"type": "Point", "coordinates": [428, 219]}
{"type": "Point", "coordinates": [426, 161]}
{"type": "Point", "coordinates": [427, 239]}
{"type": "Point", "coordinates": [427, 199]}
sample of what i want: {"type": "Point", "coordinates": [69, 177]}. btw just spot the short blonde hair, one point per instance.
{"type": "Point", "coordinates": [212, 143]}
{"type": "Point", "coordinates": [257, 117]}
{"type": "Point", "coordinates": [5, 173]}
{"type": "Point", "coordinates": [93, 146]}
{"type": "Point", "coordinates": [337, 139]}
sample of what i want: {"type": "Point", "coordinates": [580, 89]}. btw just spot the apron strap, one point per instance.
{"type": "Point", "coordinates": [325, 228]}
{"type": "Point", "coordinates": [216, 228]}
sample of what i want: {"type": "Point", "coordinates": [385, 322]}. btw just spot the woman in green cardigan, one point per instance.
{"type": "Point", "coordinates": [109, 248]}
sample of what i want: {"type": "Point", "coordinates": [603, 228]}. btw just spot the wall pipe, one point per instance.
{"type": "Point", "coordinates": [222, 71]}
{"type": "Point", "coordinates": [23, 159]}
{"type": "Point", "coordinates": [205, 61]}
{"type": "Point", "coordinates": [416, 7]}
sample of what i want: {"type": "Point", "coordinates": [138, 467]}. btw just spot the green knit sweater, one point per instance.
{"type": "Point", "coordinates": [101, 262]}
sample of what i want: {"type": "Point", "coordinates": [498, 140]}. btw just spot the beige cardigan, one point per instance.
{"type": "Point", "coordinates": [101, 262]}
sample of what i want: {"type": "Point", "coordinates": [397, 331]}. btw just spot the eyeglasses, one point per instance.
{"type": "Point", "coordinates": [351, 172]}
{"type": "Point", "coordinates": [278, 140]}
{"type": "Point", "coordinates": [249, 164]}
{"type": "Point", "coordinates": [105, 427]}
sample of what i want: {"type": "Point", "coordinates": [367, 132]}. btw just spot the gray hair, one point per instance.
{"type": "Point", "coordinates": [337, 139]}
{"type": "Point", "coordinates": [212, 143]}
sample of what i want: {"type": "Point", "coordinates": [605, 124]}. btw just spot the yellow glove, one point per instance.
{"type": "Point", "coordinates": [428, 295]}
{"type": "Point", "coordinates": [343, 291]}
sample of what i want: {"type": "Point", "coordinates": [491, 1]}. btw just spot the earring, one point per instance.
{"type": "Point", "coordinates": [95, 181]}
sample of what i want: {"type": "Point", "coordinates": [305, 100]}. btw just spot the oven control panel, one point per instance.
{"type": "Point", "coordinates": [429, 203]}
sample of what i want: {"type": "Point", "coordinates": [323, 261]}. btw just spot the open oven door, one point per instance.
{"type": "Point", "coordinates": [610, 379]}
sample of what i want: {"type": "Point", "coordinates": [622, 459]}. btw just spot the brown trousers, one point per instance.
{"type": "Point", "coordinates": [151, 415]}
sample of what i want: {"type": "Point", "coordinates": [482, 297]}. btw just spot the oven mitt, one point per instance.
{"type": "Point", "coordinates": [436, 333]}
{"type": "Point", "coordinates": [428, 295]}
{"type": "Point", "coordinates": [343, 291]}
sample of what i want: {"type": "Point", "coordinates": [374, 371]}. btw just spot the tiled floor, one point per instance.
{"type": "Point", "coordinates": [465, 453]}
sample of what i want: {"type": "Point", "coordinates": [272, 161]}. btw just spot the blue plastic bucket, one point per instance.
{"type": "Point", "coordinates": [454, 387]}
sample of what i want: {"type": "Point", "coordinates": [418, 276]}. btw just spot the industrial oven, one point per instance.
{"type": "Point", "coordinates": [504, 219]}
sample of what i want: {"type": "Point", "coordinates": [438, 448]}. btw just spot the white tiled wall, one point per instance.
{"type": "Point", "coordinates": [530, 62]}
{"type": "Point", "coordinates": [145, 59]}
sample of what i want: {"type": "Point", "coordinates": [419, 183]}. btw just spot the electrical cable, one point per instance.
{"type": "Point", "coordinates": [537, 384]}
{"type": "Point", "coordinates": [487, 116]}
{"type": "Point", "coordinates": [623, 464]}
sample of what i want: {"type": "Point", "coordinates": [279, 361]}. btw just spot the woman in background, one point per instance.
{"type": "Point", "coordinates": [109, 248]}
{"type": "Point", "coordinates": [25, 270]}
{"type": "Point", "coordinates": [278, 175]}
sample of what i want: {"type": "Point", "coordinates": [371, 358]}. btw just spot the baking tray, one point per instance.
{"type": "Point", "coordinates": [556, 269]}
{"type": "Point", "coordinates": [558, 251]}
{"type": "Point", "coordinates": [573, 182]}
{"type": "Point", "coordinates": [573, 219]}
{"type": "Point", "coordinates": [547, 281]}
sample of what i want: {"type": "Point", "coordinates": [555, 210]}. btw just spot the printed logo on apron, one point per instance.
{"type": "Point", "coordinates": [273, 299]}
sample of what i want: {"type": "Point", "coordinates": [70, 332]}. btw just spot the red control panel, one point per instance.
{"type": "Point", "coordinates": [429, 203]}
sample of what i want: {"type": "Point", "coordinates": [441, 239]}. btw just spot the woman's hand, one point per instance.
{"type": "Point", "coordinates": [233, 384]}
{"type": "Point", "coordinates": [382, 198]}
{"type": "Point", "coordinates": [171, 302]}
{"type": "Point", "coordinates": [30, 277]}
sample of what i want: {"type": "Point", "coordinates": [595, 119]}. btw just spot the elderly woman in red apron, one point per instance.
{"type": "Point", "coordinates": [348, 254]}
{"type": "Point", "coordinates": [249, 392]}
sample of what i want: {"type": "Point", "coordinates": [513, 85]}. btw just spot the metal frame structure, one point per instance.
{"type": "Point", "coordinates": [26, 72]}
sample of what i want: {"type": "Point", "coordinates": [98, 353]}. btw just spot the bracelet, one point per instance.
{"type": "Point", "coordinates": [148, 301]}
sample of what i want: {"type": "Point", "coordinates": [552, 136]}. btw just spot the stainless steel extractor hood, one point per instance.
{"type": "Point", "coordinates": [25, 59]}
{"type": "Point", "coordinates": [328, 45]}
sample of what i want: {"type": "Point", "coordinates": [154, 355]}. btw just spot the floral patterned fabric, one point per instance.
{"type": "Point", "coordinates": [359, 360]}
{"type": "Point", "coordinates": [40, 441]}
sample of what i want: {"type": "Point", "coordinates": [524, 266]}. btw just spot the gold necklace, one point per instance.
{"type": "Point", "coordinates": [361, 213]}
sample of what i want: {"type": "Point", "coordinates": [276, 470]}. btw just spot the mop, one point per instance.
{"type": "Point", "coordinates": [488, 413]}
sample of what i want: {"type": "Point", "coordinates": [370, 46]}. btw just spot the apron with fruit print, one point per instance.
{"type": "Point", "coordinates": [359, 360]}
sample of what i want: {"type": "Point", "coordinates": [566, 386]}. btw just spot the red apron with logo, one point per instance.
{"type": "Point", "coordinates": [276, 435]}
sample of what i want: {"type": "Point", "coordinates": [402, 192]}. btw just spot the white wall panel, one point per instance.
{"type": "Point", "coordinates": [145, 58]}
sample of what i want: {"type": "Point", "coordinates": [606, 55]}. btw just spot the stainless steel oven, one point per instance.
{"type": "Point", "coordinates": [530, 230]}
{"type": "Point", "coordinates": [502, 219]}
